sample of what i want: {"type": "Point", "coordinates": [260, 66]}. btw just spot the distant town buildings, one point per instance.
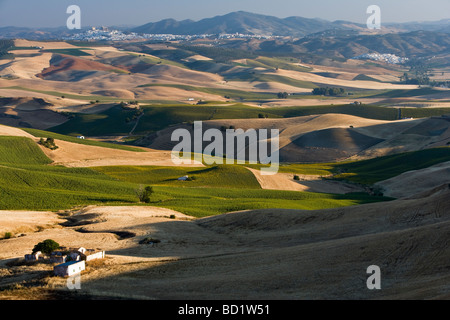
{"type": "Point", "coordinates": [104, 34]}
{"type": "Point", "coordinates": [385, 57]}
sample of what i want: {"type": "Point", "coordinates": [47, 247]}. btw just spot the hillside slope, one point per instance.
{"type": "Point", "coordinates": [284, 254]}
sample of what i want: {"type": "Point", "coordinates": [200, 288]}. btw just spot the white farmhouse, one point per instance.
{"type": "Point", "coordinates": [69, 268]}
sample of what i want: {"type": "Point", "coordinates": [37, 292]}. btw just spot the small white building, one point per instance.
{"type": "Point", "coordinates": [81, 137]}
{"type": "Point", "coordinates": [92, 254]}
{"type": "Point", "coordinates": [77, 254]}
{"type": "Point", "coordinates": [69, 268]}
{"type": "Point", "coordinates": [185, 178]}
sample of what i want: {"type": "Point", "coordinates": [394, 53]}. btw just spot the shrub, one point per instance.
{"type": "Point", "coordinates": [144, 194]}
{"type": "Point", "coordinates": [49, 143]}
{"type": "Point", "coordinates": [8, 235]}
{"type": "Point", "coordinates": [297, 178]}
{"type": "Point", "coordinates": [282, 95]}
{"type": "Point", "coordinates": [172, 216]}
{"type": "Point", "coordinates": [149, 241]}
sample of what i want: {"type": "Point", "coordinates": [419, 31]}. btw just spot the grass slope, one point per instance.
{"type": "Point", "coordinates": [109, 122]}
{"type": "Point", "coordinates": [21, 150]}
{"type": "Point", "coordinates": [201, 202]}
{"type": "Point", "coordinates": [48, 134]}
{"type": "Point", "coordinates": [379, 169]}
{"type": "Point", "coordinates": [28, 183]}
{"type": "Point", "coordinates": [31, 187]}
{"type": "Point", "coordinates": [232, 94]}
{"type": "Point", "coordinates": [223, 176]}
{"type": "Point", "coordinates": [158, 117]}
{"type": "Point", "coordinates": [76, 52]}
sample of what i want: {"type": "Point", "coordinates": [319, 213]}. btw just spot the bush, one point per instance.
{"type": "Point", "coordinates": [149, 241]}
{"type": "Point", "coordinates": [172, 216]}
{"type": "Point", "coordinates": [49, 143]}
{"type": "Point", "coordinates": [46, 246]}
{"type": "Point", "coordinates": [8, 235]}
{"type": "Point", "coordinates": [282, 95]}
{"type": "Point", "coordinates": [144, 194]}
{"type": "Point", "coordinates": [297, 178]}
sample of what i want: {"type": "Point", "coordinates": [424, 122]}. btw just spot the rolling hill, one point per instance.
{"type": "Point", "coordinates": [330, 137]}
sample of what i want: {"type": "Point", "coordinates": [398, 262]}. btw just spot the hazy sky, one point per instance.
{"type": "Point", "coordinates": [52, 13]}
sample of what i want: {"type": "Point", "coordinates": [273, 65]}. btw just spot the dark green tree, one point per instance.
{"type": "Point", "coordinates": [144, 194]}
{"type": "Point", "coordinates": [46, 246]}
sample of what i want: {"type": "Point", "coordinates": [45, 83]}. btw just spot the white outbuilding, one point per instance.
{"type": "Point", "coordinates": [69, 268]}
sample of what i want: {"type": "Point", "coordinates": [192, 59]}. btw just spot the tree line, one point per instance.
{"type": "Point", "coordinates": [328, 91]}
{"type": "Point", "coordinates": [5, 46]}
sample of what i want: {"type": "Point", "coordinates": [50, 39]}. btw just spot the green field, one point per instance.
{"type": "Point", "coordinates": [158, 117]}
{"type": "Point", "coordinates": [405, 93]}
{"type": "Point", "coordinates": [201, 202]}
{"type": "Point", "coordinates": [109, 122]}
{"type": "Point", "coordinates": [232, 94]}
{"type": "Point", "coordinates": [274, 63]}
{"type": "Point", "coordinates": [264, 77]}
{"type": "Point", "coordinates": [222, 176]}
{"type": "Point", "coordinates": [379, 169]}
{"type": "Point", "coordinates": [20, 150]}
{"type": "Point", "coordinates": [370, 171]}
{"type": "Point", "coordinates": [220, 189]}
{"type": "Point", "coordinates": [27, 182]}
{"type": "Point", "coordinates": [48, 134]}
{"type": "Point", "coordinates": [34, 187]}
{"type": "Point", "coordinates": [314, 169]}
{"type": "Point", "coordinates": [67, 95]}
{"type": "Point", "coordinates": [76, 52]}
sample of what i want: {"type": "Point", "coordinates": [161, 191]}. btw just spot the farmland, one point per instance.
{"type": "Point", "coordinates": [28, 182]}
{"type": "Point", "coordinates": [362, 179]}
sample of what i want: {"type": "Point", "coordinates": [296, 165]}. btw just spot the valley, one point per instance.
{"type": "Point", "coordinates": [363, 174]}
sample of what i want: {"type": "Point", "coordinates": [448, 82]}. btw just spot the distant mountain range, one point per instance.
{"type": "Point", "coordinates": [244, 23]}
{"type": "Point", "coordinates": [257, 24]}
{"type": "Point", "coordinates": [237, 22]}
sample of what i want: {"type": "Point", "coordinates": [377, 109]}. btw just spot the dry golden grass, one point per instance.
{"type": "Point", "coordinates": [261, 254]}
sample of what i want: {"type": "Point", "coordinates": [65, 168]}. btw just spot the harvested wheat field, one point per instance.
{"type": "Point", "coordinates": [340, 82]}
{"type": "Point", "coordinates": [26, 68]}
{"type": "Point", "coordinates": [306, 183]}
{"type": "Point", "coordinates": [417, 181]}
{"type": "Point", "coordinates": [78, 155]}
{"type": "Point", "coordinates": [63, 63]}
{"type": "Point", "coordinates": [14, 132]}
